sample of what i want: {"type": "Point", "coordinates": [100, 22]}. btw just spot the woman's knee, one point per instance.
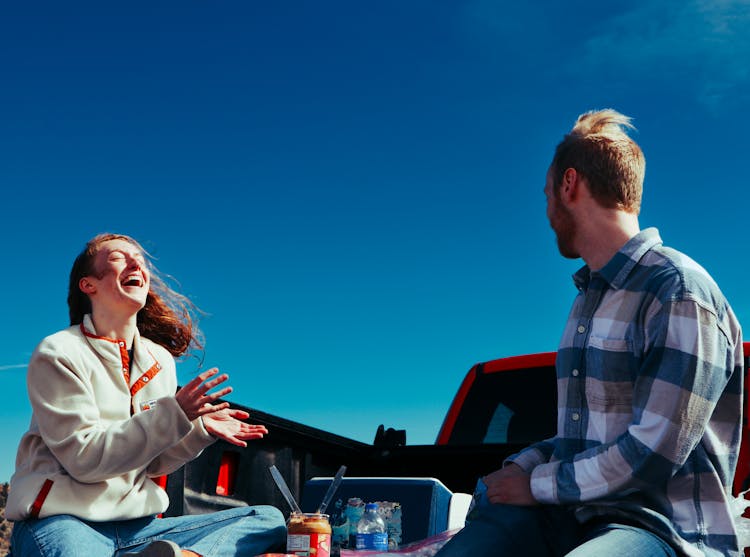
{"type": "Point", "coordinates": [261, 519]}
{"type": "Point", "coordinates": [270, 514]}
{"type": "Point", "coordinates": [273, 521]}
{"type": "Point", "coordinates": [266, 514]}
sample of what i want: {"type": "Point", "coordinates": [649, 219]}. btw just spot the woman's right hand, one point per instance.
{"type": "Point", "coordinates": [194, 398]}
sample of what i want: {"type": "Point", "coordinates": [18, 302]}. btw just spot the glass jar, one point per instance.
{"type": "Point", "coordinates": [308, 535]}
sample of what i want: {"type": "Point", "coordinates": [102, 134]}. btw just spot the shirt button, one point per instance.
{"type": "Point", "coordinates": [575, 417]}
{"type": "Point", "coordinates": [122, 343]}
{"type": "Point", "coordinates": [145, 379]}
{"type": "Point", "coordinates": [575, 372]}
{"type": "Point", "coordinates": [581, 329]}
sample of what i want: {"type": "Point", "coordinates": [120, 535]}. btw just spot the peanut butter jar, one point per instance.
{"type": "Point", "coordinates": [308, 535]}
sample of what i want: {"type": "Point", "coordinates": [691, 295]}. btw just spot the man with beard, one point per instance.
{"type": "Point", "coordinates": [649, 373]}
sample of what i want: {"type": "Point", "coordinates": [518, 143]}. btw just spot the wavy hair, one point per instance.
{"type": "Point", "coordinates": [168, 318]}
{"type": "Point", "coordinates": [600, 149]}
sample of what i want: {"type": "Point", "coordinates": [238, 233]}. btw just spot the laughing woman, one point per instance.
{"type": "Point", "coordinates": [107, 417]}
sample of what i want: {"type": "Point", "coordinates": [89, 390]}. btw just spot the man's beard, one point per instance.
{"type": "Point", "coordinates": [565, 229]}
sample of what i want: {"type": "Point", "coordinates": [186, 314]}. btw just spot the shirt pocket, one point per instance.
{"type": "Point", "coordinates": [610, 374]}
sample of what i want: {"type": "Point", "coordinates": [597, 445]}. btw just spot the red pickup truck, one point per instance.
{"type": "Point", "coordinates": [501, 406]}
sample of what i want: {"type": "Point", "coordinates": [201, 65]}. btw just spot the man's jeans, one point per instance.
{"type": "Point", "coordinates": [546, 531]}
{"type": "Point", "coordinates": [242, 531]}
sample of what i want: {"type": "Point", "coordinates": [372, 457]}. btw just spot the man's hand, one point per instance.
{"type": "Point", "coordinates": [193, 399]}
{"type": "Point", "coordinates": [510, 485]}
{"type": "Point", "coordinates": [226, 425]}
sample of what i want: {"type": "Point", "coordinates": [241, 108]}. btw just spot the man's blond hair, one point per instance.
{"type": "Point", "coordinates": [599, 148]}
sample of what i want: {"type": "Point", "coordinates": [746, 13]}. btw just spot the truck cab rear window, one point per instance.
{"type": "Point", "coordinates": [508, 407]}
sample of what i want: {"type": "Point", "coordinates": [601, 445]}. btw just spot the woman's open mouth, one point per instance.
{"type": "Point", "coordinates": [133, 280]}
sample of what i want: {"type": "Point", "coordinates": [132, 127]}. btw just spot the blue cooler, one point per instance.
{"type": "Point", "coordinates": [425, 502]}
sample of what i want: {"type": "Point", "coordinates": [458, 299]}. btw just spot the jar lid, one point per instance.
{"type": "Point", "coordinates": [305, 516]}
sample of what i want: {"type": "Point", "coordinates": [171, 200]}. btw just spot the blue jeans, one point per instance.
{"type": "Point", "coordinates": [548, 531]}
{"type": "Point", "coordinates": [244, 531]}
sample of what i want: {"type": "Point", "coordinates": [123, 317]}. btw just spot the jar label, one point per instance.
{"type": "Point", "coordinates": [377, 541]}
{"type": "Point", "coordinates": [309, 545]}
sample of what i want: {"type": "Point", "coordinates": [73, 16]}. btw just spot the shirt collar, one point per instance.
{"type": "Point", "coordinates": [617, 269]}
{"type": "Point", "coordinates": [108, 345]}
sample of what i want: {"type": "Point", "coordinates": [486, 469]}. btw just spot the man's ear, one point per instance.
{"type": "Point", "coordinates": [569, 188]}
{"type": "Point", "coordinates": [87, 286]}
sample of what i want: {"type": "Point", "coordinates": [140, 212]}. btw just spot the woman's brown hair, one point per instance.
{"type": "Point", "coordinates": [167, 317]}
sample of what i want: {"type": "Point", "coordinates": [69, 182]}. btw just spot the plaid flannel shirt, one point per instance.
{"type": "Point", "coordinates": [649, 381]}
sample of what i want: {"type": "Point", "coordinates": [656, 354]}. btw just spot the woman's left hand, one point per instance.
{"type": "Point", "coordinates": [226, 425]}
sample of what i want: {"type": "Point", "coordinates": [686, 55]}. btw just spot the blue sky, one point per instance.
{"type": "Point", "coordinates": [352, 191]}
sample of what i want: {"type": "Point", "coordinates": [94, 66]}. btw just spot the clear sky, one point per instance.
{"type": "Point", "coordinates": [352, 191]}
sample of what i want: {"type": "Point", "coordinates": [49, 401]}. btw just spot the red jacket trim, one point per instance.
{"type": "Point", "coordinates": [36, 507]}
{"type": "Point", "coordinates": [145, 378]}
{"type": "Point", "coordinates": [124, 358]}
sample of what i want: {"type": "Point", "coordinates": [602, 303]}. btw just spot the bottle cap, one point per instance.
{"type": "Point", "coordinates": [371, 507]}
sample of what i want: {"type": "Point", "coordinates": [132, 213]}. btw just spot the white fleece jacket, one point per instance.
{"type": "Point", "coordinates": [101, 428]}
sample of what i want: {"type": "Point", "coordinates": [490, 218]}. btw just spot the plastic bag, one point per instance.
{"type": "Point", "coordinates": [741, 523]}
{"type": "Point", "coordinates": [422, 548]}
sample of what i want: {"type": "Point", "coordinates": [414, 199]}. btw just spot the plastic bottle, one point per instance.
{"type": "Point", "coordinates": [354, 510]}
{"type": "Point", "coordinates": [371, 531]}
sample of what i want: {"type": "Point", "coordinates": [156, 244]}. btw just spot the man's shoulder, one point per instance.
{"type": "Point", "coordinates": [668, 265]}
{"type": "Point", "coordinates": [671, 275]}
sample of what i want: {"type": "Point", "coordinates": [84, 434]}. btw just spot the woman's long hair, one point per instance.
{"type": "Point", "coordinates": [167, 318]}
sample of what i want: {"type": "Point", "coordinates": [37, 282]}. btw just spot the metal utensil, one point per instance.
{"type": "Point", "coordinates": [332, 489]}
{"type": "Point", "coordinates": [281, 484]}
